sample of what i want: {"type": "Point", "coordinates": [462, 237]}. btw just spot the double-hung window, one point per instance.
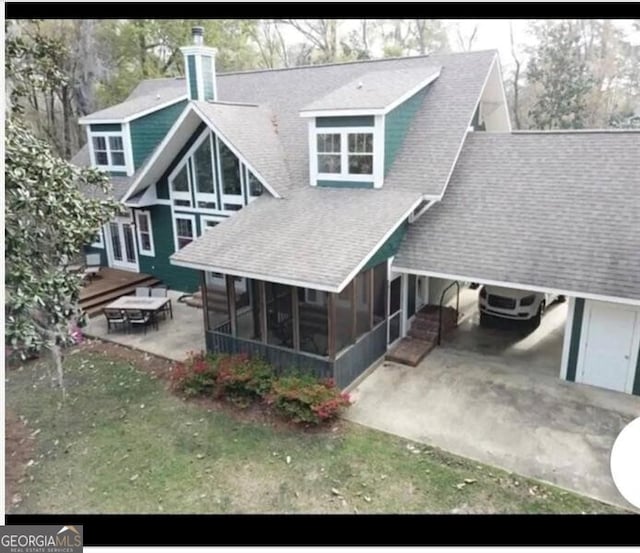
{"type": "Point", "coordinates": [184, 227]}
{"type": "Point", "coordinates": [345, 154]}
{"type": "Point", "coordinates": [108, 151]}
{"type": "Point", "coordinates": [145, 233]}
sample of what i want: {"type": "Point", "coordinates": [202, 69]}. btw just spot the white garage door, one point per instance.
{"type": "Point", "coordinates": [607, 356]}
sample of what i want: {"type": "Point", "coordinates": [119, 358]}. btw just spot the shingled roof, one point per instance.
{"type": "Point", "coordinates": [316, 237]}
{"type": "Point", "coordinates": [146, 96]}
{"type": "Point", "coordinates": [553, 210]}
{"type": "Point", "coordinates": [376, 90]}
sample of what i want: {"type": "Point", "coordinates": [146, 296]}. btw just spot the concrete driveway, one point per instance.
{"type": "Point", "coordinates": [502, 414]}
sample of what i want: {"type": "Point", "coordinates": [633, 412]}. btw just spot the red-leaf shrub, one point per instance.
{"type": "Point", "coordinates": [242, 379]}
{"type": "Point", "coordinates": [196, 375]}
{"type": "Point", "coordinates": [306, 399]}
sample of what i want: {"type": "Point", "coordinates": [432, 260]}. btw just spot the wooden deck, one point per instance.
{"type": "Point", "coordinates": [110, 284]}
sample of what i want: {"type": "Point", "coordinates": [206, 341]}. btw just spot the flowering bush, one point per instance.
{"type": "Point", "coordinates": [308, 400]}
{"type": "Point", "coordinates": [242, 379]}
{"type": "Point", "coordinates": [196, 375]}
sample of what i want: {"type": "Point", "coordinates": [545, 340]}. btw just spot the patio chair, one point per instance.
{"type": "Point", "coordinates": [115, 318]}
{"type": "Point", "coordinates": [142, 291]}
{"type": "Point", "coordinates": [137, 318]}
{"type": "Point", "coordinates": [161, 292]}
{"type": "Point", "coordinates": [91, 266]}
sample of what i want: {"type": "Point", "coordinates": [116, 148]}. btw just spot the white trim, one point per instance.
{"type": "Point", "coordinates": [464, 138]}
{"type": "Point", "coordinates": [519, 286]}
{"type": "Point", "coordinates": [124, 265]}
{"type": "Point", "coordinates": [156, 154]}
{"type": "Point", "coordinates": [313, 159]}
{"type": "Point", "coordinates": [137, 115]}
{"type": "Point", "coordinates": [178, 194]}
{"type": "Point", "coordinates": [204, 219]}
{"type": "Point", "coordinates": [344, 175]}
{"type": "Point", "coordinates": [128, 148]}
{"type": "Point", "coordinates": [378, 245]}
{"type": "Point", "coordinates": [194, 50]}
{"type": "Point", "coordinates": [141, 251]}
{"type": "Point", "coordinates": [372, 111]}
{"type": "Point", "coordinates": [100, 242]}
{"type": "Point", "coordinates": [414, 217]}
{"type": "Point", "coordinates": [404, 304]}
{"type": "Point", "coordinates": [199, 80]}
{"type": "Point", "coordinates": [194, 227]}
{"type": "Point", "coordinates": [378, 160]}
{"type": "Point", "coordinates": [566, 342]}
{"type": "Point", "coordinates": [237, 153]}
{"type": "Point", "coordinates": [92, 156]}
{"type": "Point", "coordinates": [250, 274]}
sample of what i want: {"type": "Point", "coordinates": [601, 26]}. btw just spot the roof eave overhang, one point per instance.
{"type": "Point", "coordinates": [137, 115]}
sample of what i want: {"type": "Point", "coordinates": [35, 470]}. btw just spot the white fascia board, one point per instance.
{"type": "Point", "coordinates": [85, 121]}
{"type": "Point", "coordinates": [518, 286]}
{"type": "Point", "coordinates": [412, 91]}
{"type": "Point", "coordinates": [199, 51]}
{"type": "Point", "coordinates": [249, 274]}
{"type": "Point", "coordinates": [156, 154]}
{"type": "Point", "coordinates": [237, 152]}
{"type": "Point", "coordinates": [342, 112]}
{"type": "Point", "coordinates": [503, 93]}
{"type": "Point", "coordinates": [469, 125]}
{"type": "Point", "coordinates": [378, 245]}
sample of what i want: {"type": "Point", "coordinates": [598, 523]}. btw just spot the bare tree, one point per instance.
{"type": "Point", "coordinates": [321, 33]}
{"type": "Point", "coordinates": [465, 43]}
{"type": "Point", "coordinates": [516, 79]}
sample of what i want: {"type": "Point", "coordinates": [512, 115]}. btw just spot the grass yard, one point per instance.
{"type": "Point", "coordinates": [122, 443]}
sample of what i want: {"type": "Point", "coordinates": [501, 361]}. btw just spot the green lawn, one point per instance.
{"type": "Point", "coordinates": [121, 443]}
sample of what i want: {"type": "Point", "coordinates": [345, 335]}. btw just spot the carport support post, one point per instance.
{"type": "Point", "coordinates": [404, 303]}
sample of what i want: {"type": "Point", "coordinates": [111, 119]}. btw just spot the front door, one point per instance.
{"type": "Point", "coordinates": [608, 352]}
{"type": "Point", "coordinates": [122, 245]}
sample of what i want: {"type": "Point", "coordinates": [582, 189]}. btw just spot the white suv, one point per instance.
{"type": "Point", "coordinates": [509, 303]}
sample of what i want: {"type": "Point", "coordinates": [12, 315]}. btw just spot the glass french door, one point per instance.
{"type": "Point", "coordinates": [122, 245]}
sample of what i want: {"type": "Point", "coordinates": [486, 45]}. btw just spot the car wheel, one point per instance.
{"type": "Point", "coordinates": [561, 299]}
{"type": "Point", "coordinates": [535, 321]}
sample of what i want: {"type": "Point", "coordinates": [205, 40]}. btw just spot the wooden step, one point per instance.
{"type": "Point", "coordinates": [95, 306]}
{"type": "Point", "coordinates": [409, 351]}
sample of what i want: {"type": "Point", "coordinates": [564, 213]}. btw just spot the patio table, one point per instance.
{"type": "Point", "coordinates": [137, 303]}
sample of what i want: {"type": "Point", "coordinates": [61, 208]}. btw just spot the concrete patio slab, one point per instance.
{"type": "Point", "coordinates": [502, 414]}
{"type": "Point", "coordinates": [173, 339]}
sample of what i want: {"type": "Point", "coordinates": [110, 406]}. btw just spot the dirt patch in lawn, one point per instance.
{"type": "Point", "coordinates": [158, 367]}
{"type": "Point", "coordinates": [19, 446]}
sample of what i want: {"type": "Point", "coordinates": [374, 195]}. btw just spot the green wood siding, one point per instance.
{"type": "Point", "coordinates": [177, 278]}
{"type": "Point", "coordinates": [396, 125]}
{"type": "Point", "coordinates": [343, 184]}
{"type": "Point", "coordinates": [351, 121]}
{"type": "Point", "coordinates": [389, 248]}
{"type": "Point", "coordinates": [162, 186]}
{"type": "Point", "coordinates": [148, 131]}
{"type": "Point", "coordinates": [574, 343]}
{"type": "Point", "coordinates": [636, 384]}
{"type": "Point", "coordinates": [193, 78]}
{"type": "Point", "coordinates": [112, 127]}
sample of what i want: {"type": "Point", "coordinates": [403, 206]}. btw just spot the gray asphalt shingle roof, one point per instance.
{"type": "Point", "coordinates": [253, 131]}
{"type": "Point", "coordinates": [552, 210]}
{"type": "Point", "coordinates": [119, 184]}
{"type": "Point", "coordinates": [147, 95]}
{"type": "Point", "coordinates": [316, 236]}
{"type": "Point", "coordinates": [433, 141]}
{"type": "Point", "coordinates": [375, 89]}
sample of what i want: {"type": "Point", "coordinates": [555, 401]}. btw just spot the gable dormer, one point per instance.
{"type": "Point", "coordinates": [355, 130]}
{"type": "Point", "coordinates": [200, 67]}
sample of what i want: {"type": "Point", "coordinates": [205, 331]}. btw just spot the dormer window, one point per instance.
{"type": "Point", "coordinates": [345, 153]}
{"type": "Point", "coordinates": [108, 151]}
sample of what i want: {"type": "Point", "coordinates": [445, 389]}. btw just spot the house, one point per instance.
{"type": "Point", "coordinates": [323, 209]}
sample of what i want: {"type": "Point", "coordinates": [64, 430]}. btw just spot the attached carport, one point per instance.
{"type": "Point", "coordinates": [551, 212]}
